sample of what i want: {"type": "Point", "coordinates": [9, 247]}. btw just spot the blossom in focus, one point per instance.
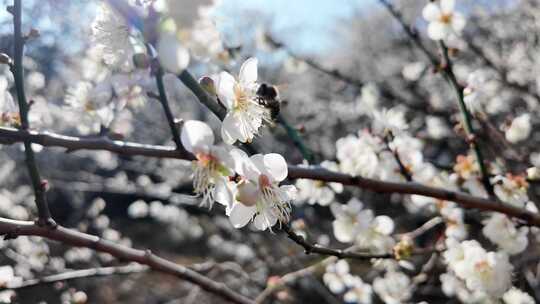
{"type": "Point", "coordinates": [519, 129]}
{"type": "Point", "coordinates": [443, 20]}
{"type": "Point", "coordinates": [258, 195]}
{"type": "Point", "coordinates": [244, 113]}
{"type": "Point", "coordinates": [213, 165]}
{"type": "Point", "coordinates": [395, 287]}
{"type": "Point", "coordinates": [111, 33]}
{"type": "Point", "coordinates": [172, 56]}
{"type": "Point", "coordinates": [500, 230]}
{"type": "Point", "coordinates": [313, 191]}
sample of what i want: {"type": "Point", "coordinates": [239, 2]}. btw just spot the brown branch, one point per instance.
{"type": "Point", "coordinates": [78, 274]}
{"type": "Point", "coordinates": [167, 109]}
{"type": "Point", "coordinates": [13, 229]}
{"type": "Point", "coordinates": [39, 185]}
{"type": "Point", "coordinates": [339, 253]}
{"type": "Point", "coordinates": [445, 66]}
{"type": "Point", "coordinates": [10, 136]}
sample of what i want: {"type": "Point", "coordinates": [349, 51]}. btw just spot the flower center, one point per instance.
{"type": "Point", "coordinates": [241, 99]}
{"type": "Point", "coordinates": [446, 18]}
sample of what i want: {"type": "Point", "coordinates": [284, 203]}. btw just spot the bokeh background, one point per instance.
{"type": "Point", "coordinates": [294, 41]}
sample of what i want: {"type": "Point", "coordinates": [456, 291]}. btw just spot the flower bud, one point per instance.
{"type": "Point", "coordinates": [403, 249]}
{"type": "Point", "coordinates": [5, 59]}
{"type": "Point", "coordinates": [208, 84]}
{"type": "Point", "coordinates": [141, 61]}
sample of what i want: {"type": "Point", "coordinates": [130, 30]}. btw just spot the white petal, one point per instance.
{"type": "Point", "coordinates": [248, 71]}
{"type": "Point", "coordinates": [276, 166]}
{"type": "Point", "coordinates": [447, 6]}
{"type": "Point", "coordinates": [265, 219]}
{"type": "Point", "coordinates": [224, 193]}
{"type": "Point", "coordinates": [458, 22]}
{"type": "Point", "coordinates": [431, 12]}
{"type": "Point", "coordinates": [239, 157]}
{"type": "Point", "coordinates": [241, 215]}
{"type": "Point", "coordinates": [225, 89]}
{"type": "Point", "coordinates": [384, 224]}
{"type": "Point", "coordinates": [196, 135]}
{"type": "Point", "coordinates": [230, 130]}
{"type": "Point", "coordinates": [248, 194]}
{"type": "Point", "coordinates": [437, 30]}
{"type": "Point", "coordinates": [290, 190]}
{"type": "Point", "coordinates": [172, 55]}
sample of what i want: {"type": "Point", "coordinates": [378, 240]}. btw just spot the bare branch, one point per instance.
{"type": "Point", "coordinates": [446, 68]}
{"type": "Point", "coordinates": [39, 185]}
{"type": "Point", "coordinates": [78, 274]}
{"type": "Point", "coordinates": [12, 229]}
{"type": "Point", "coordinates": [10, 135]}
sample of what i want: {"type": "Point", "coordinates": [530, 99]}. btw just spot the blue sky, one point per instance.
{"type": "Point", "coordinates": [306, 25]}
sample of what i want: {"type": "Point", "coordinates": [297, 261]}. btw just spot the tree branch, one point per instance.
{"type": "Point", "coordinates": [10, 136]}
{"type": "Point", "coordinates": [78, 274]}
{"type": "Point", "coordinates": [12, 229]}
{"type": "Point", "coordinates": [167, 109]}
{"type": "Point", "coordinates": [447, 70]}
{"type": "Point", "coordinates": [39, 185]}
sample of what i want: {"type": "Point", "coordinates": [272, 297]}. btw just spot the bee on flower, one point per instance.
{"type": "Point", "coordinates": [213, 167]}
{"type": "Point", "coordinates": [244, 113]}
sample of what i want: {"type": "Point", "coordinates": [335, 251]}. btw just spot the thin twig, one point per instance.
{"type": "Point", "coordinates": [167, 109]}
{"type": "Point", "coordinates": [12, 229]}
{"type": "Point", "coordinates": [446, 68]}
{"type": "Point", "coordinates": [39, 185]}
{"type": "Point", "coordinates": [296, 138]}
{"type": "Point", "coordinates": [339, 253]}
{"type": "Point", "coordinates": [78, 274]}
{"type": "Point", "coordinates": [10, 135]}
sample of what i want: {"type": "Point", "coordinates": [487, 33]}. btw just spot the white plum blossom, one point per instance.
{"type": "Point", "coordinates": [213, 166]}
{"type": "Point", "coordinates": [517, 296]}
{"type": "Point", "coordinates": [336, 276]}
{"type": "Point", "coordinates": [112, 34]}
{"type": "Point", "coordinates": [258, 195]}
{"type": "Point", "coordinates": [488, 272]}
{"type": "Point", "coordinates": [358, 155]}
{"type": "Point", "coordinates": [9, 113]}
{"type": "Point", "coordinates": [511, 190]}
{"type": "Point", "coordinates": [472, 94]}
{"type": "Point", "coordinates": [389, 120]}
{"type": "Point", "coordinates": [443, 20]}
{"type": "Point", "coordinates": [452, 286]}
{"type": "Point", "coordinates": [519, 129]}
{"type": "Point", "coordinates": [172, 56]}
{"type": "Point", "coordinates": [8, 278]}
{"type": "Point", "coordinates": [500, 230]}
{"type": "Point", "coordinates": [244, 113]}
{"type": "Point", "coordinates": [359, 292]}
{"type": "Point", "coordinates": [313, 191]}
{"type": "Point", "coordinates": [352, 224]}
{"type": "Point", "coordinates": [394, 288]}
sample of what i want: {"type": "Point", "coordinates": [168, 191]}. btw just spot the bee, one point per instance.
{"type": "Point", "coordinates": [268, 97]}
